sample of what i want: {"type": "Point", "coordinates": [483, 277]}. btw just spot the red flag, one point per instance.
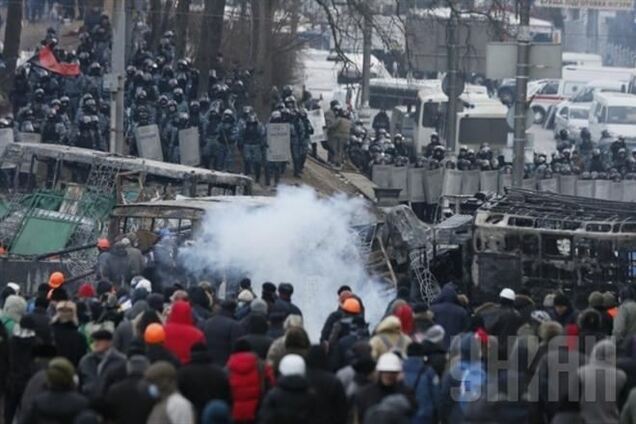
{"type": "Point", "coordinates": [46, 59]}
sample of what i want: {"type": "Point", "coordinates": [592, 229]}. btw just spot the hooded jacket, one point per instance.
{"type": "Point", "coordinates": [69, 342]}
{"type": "Point", "coordinates": [115, 265]}
{"type": "Point", "coordinates": [93, 368]}
{"type": "Point", "coordinates": [388, 337]}
{"type": "Point", "coordinates": [247, 381]}
{"type": "Point", "coordinates": [601, 383]}
{"type": "Point", "coordinates": [625, 322]}
{"type": "Point", "coordinates": [14, 308]}
{"type": "Point", "coordinates": [425, 383]}
{"type": "Point", "coordinates": [181, 333]}
{"type": "Point", "coordinates": [55, 406]}
{"type": "Point", "coordinates": [449, 314]}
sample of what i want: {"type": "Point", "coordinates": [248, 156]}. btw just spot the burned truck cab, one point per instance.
{"type": "Point", "coordinates": [544, 242]}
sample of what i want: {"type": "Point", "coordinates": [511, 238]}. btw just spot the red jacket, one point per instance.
{"type": "Point", "coordinates": [181, 333]}
{"type": "Point", "coordinates": [248, 382]}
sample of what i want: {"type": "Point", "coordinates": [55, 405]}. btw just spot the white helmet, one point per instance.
{"type": "Point", "coordinates": [292, 364]}
{"type": "Point", "coordinates": [507, 294]}
{"type": "Point", "coordinates": [389, 362]}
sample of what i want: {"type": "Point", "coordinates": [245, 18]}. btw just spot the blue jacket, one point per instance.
{"type": "Point", "coordinates": [449, 314]}
{"type": "Point", "coordinates": [425, 383]}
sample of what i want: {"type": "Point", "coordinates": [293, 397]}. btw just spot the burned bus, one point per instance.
{"type": "Point", "coordinates": [545, 241]}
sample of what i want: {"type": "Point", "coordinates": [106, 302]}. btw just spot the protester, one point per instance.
{"type": "Point", "coordinates": [181, 333]}
{"type": "Point", "coordinates": [221, 331]}
{"type": "Point", "coordinates": [171, 406]}
{"type": "Point", "coordinates": [388, 337]}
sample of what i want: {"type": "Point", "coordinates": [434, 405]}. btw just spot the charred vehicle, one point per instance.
{"type": "Point", "coordinates": [543, 241]}
{"type": "Point", "coordinates": [56, 200]}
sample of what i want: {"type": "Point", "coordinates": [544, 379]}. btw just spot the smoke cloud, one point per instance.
{"type": "Point", "coordinates": [298, 238]}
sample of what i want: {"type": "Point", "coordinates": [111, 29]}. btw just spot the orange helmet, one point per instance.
{"type": "Point", "coordinates": [352, 306]}
{"type": "Point", "coordinates": [56, 280]}
{"type": "Point", "coordinates": [154, 334]}
{"type": "Point", "coordinates": [103, 244]}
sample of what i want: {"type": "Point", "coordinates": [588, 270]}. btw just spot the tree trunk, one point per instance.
{"type": "Point", "coordinates": [165, 18]}
{"type": "Point", "coordinates": [154, 21]}
{"type": "Point", "coordinates": [264, 57]}
{"type": "Point", "coordinates": [12, 34]}
{"type": "Point", "coordinates": [183, 15]}
{"type": "Point", "coordinates": [210, 42]}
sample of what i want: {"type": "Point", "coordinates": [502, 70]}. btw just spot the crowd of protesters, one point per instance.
{"type": "Point", "coordinates": [136, 352]}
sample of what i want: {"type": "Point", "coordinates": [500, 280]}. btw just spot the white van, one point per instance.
{"type": "Point", "coordinates": [581, 59]}
{"type": "Point", "coordinates": [613, 114]}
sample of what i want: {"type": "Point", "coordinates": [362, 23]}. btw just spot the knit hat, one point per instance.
{"type": "Point", "coordinates": [595, 299]}
{"type": "Point", "coordinates": [155, 301]}
{"type": "Point", "coordinates": [286, 288]}
{"type": "Point", "coordinates": [60, 373]}
{"type": "Point", "coordinates": [268, 288]}
{"type": "Point", "coordinates": [245, 296]}
{"type": "Point", "coordinates": [292, 364]}
{"type": "Point", "coordinates": [259, 306]}
{"type": "Point", "coordinates": [86, 291]}
{"type": "Point", "coordinates": [344, 288]}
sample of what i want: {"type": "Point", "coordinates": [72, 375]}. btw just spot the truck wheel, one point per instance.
{"type": "Point", "coordinates": [539, 115]}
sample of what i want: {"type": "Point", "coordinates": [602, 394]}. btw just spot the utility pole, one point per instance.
{"type": "Point", "coordinates": [521, 105]}
{"type": "Point", "coordinates": [367, 32]}
{"type": "Point", "coordinates": [118, 75]}
{"type": "Point", "coordinates": [453, 83]}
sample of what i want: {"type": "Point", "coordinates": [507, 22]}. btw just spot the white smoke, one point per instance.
{"type": "Point", "coordinates": [298, 238]}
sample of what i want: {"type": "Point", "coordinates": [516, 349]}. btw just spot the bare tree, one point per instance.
{"type": "Point", "coordinates": [183, 15]}
{"type": "Point", "coordinates": [210, 40]}
{"type": "Point", "coordinates": [165, 16]}
{"type": "Point", "coordinates": [264, 55]}
{"type": "Point", "coordinates": [12, 35]}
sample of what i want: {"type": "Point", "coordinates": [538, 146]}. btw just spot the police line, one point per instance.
{"type": "Point", "coordinates": [421, 185]}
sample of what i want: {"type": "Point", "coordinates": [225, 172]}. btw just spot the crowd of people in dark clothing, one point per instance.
{"type": "Point", "coordinates": [132, 353]}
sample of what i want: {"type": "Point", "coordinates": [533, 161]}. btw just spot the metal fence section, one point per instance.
{"type": "Point", "coordinates": [420, 261]}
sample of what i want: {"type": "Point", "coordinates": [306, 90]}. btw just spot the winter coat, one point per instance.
{"type": "Point", "coordinates": [116, 265]}
{"type": "Point", "coordinates": [55, 407]}
{"type": "Point", "coordinates": [221, 331]}
{"type": "Point", "coordinates": [136, 260]}
{"type": "Point", "coordinates": [625, 322]}
{"type": "Point", "coordinates": [69, 342]}
{"type": "Point", "coordinates": [248, 381]}
{"type": "Point", "coordinates": [331, 400]}
{"type": "Point", "coordinates": [345, 333]}
{"type": "Point", "coordinates": [284, 308]}
{"type": "Point", "coordinates": [181, 333]}
{"type": "Point", "coordinates": [14, 308]}
{"type": "Point", "coordinates": [604, 382]}
{"type": "Point", "coordinates": [373, 394]}
{"type": "Point", "coordinates": [128, 401]}
{"type": "Point", "coordinates": [465, 373]}
{"type": "Point", "coordinates": [200, 382]}
{"type": "Point", "coordinates": [175, 409]}
{"type": "Point", "coordinates": [425, 383]}
{"type": "Point", "coordinates": [93, 368]}
{"type": "Point", "coordinates": [36, 385]}
{"type": "Point", "coordinates": [291, 402]}
{"type": "Point", "coordinates": [628, 414]}
{"type": "Point", "coordinates": [21, 366]}
{"type": "Point", "coordinates": [553, 387]}
{"type": "Point", "coordinates": [333, 317]}
{"type": "Point", "coordinates": [449, 314]}
{"type": "Point", "coordinates": [388, 337]}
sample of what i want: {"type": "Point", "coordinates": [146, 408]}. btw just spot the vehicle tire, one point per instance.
{"type": "Point", "coordinates": [507, 96]}
{"type": "Point", "coordinates": [539, 115]}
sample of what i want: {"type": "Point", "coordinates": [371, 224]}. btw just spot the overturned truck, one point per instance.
{"type": "Point", "coordinates": [545, 241]}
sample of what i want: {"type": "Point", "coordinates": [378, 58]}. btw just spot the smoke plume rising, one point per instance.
{"type": "Point", "coordinates": [298, 238]}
